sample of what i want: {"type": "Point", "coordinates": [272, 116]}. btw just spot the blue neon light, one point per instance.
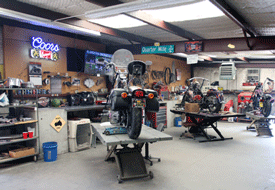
{"type": "Point", "coordinates": [37, 42]}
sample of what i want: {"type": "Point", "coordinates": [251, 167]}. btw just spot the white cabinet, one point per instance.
{"type": "Point", "coordinates": [15, 119]}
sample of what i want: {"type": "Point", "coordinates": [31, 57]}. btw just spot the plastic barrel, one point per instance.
{"type": "Point", "coordinates": [50, 151]}
{"type": "Point", "coordinates": [177, 122]}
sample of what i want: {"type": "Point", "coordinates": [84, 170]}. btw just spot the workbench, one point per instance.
{"type": "Point", "coordinates": [129, 159]}
{"type": "Point", "coordinates": [262, 124]}
{"type": "Point", "coordinates": [202, 120]}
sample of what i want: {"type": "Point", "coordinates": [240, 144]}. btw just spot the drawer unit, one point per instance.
{"type": "Point", "coordinates": [158, 117]}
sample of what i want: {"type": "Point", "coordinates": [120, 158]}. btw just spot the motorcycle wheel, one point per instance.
{"type": "Point", "coordinates": [213, 104]}
{"type": "Point", "coordinates": [134, 129]}
{"type": "Point", "coordinates": [266, 110]}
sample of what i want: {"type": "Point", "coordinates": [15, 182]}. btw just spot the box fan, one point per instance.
{"type": "Point", "coordinates": [227, 71]}
{"type": "Point", "coordinates": [79, 134]}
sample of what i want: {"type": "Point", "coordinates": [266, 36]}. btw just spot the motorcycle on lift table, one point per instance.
{"type": "Point", "coordinates": [260, 100]}
{"type": "Point", "coordinates": [212, 100]}
{"type": "Point", "coordinates": [128, 102]}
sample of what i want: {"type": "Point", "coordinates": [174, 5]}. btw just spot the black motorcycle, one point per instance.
{"type": "Point", "coordinates": [128, 102]}
{"type": "Point", "coordinates": [212, 99]}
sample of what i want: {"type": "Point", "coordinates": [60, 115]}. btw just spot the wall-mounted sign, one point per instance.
{"type": "Point", "coordinates": [195, 46]}
{"type": "Point", "coordinates": [192, 59]}
{"type": "Point", "coordinates": [58, 123]}
{"type": "Point", "coordinates": [44, 50]}
{"type": "Point", "coordinates": [157, 49]}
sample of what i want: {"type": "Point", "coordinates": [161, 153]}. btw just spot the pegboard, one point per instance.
{"type": "Point", "coordinates": [159, 63]}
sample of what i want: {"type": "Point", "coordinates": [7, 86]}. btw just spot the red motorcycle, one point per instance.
{"type": "Point", "coordinates": [211, 99]}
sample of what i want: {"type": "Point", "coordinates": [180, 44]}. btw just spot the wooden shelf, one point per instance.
{"type": "Point", "coordinates": [18, 123]}
{"type": "Point", "coordinates": [11, 159]}
{"type": "Point", "coordinates": [18, 140]}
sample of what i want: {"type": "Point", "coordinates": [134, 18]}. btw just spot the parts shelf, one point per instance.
{"type": "Point", "coordinates": [10, 133]}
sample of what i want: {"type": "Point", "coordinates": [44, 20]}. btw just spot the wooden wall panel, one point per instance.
{"type": "Point", "coordinates": [16, 48]}
{"type": "Point", "coordinates": [159, 63]}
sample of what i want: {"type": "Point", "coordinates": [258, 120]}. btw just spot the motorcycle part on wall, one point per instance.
{"type": "Point", "coordinates": [56, 85]}
{"type": "Point", "coordinates": [46, 81]}
{"type": "Point", "coordinates": [89, 83]}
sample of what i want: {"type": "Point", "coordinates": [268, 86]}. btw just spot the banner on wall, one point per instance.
{"type": "Point", "coordinates": [35, 73]}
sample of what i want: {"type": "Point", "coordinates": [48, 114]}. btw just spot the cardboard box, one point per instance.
{"type": "Point", "coordinates": [192, 107]}
{"type": "Point", "coordinates": [21, 152]}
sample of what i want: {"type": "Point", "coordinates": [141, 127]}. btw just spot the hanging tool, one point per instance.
{"type": "Point", "coordinates": [173, 74]}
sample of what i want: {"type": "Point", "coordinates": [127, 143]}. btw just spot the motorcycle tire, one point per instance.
{"type": "Point", "coordinates": [266, 110]}
{"type": "Point", "coordinates": [213, 107]}
{"type": "Point", "coordinates": [134, 129]}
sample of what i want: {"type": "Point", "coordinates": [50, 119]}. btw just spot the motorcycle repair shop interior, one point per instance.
{"type": "Point", "coordinates": [97, 111]}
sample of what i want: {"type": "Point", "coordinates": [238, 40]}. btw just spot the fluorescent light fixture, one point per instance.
{"type": "Point", "coordinates": [200, 10]}
{"type": "Point", "coordinates": [180, 54]}
{"type": "Point", "coordinates": [212, 55]}
{"type": "Point", "coordinates": [118, 21]}
{"type": "Point", "coordinates": [46, 23]}
{"type": "Point", "coordinates": [133, 6]}
{"type": "Point", "coordinates": [231, 46]}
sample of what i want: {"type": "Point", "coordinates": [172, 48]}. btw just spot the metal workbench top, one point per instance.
{"type": "Point", "coordinates": [147, 134]}
{"type": "Point", "coordinates": [81, 108]}
{"type": "Point", "coordinates": [259, 117]}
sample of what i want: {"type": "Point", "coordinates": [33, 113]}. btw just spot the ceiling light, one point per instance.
{"type": "Point", "coordinates": [46, 22]}
{"type": "Point", "coordinates": [180, 54]}
{"type": "Point", "coordinates": [119, 21]}
{"type": "Point", "coordinates": [133, 6]}
{"type": "Point", "coordinates": [200, 10]}
{"type": "Point", "coordinates": [231, 46]}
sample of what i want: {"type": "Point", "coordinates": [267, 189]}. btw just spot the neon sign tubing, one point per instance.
{"type": "Point", "coordinates": [38, 43]}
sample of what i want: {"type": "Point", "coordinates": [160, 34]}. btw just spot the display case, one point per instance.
{"type": "Point", "coordinates": [18, 127]}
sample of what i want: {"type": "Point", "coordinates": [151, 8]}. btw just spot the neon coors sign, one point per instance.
{"type": "Point", "coordinates": [44, 50]}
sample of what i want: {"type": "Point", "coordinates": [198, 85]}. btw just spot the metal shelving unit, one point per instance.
{"type": "Point", "coordinates": [10, 133]}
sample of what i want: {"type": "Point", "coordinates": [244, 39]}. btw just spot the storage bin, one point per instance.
{"type": "Point", "coordinates": [177, 122]}
{"type": "Point", "coordinates": [50, 151]}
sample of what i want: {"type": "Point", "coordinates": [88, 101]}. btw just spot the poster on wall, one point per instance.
{"type": "Point", "coordinates": [35, 73]}
{"type": "Point", "coordinates": [194, 46]}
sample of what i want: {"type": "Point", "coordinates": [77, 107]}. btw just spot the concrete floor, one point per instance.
{"type": "Point", "coordinates": [246, 162]}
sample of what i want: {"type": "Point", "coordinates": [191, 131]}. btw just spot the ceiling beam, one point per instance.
{"type": "Point", "coordinates": [235, 16]}
{"type": "Point", "coordinates": [14, 5]}
{"type": "Point", "coordinates": [161, 24]}
{"type": "Point", "coordinates": [105, 3]}
{"type": "Point", "coordinates": [147, 18]}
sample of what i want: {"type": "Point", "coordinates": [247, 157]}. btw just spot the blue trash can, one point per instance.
{"type": "Point", "coordinates": [177, 122]}
{"type": "Point", "coordinates": [50, 151]}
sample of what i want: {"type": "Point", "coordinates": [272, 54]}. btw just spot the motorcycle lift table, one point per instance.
{"type": "Point", "coordinates": [202, 120]}
{"type": "Point", "coordinates": [129, 159]}
{"type": "Point", "coordinates": [262, 124]}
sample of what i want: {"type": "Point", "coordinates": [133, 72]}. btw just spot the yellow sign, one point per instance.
{"type": "Point", "coordinates": [58, 123]}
